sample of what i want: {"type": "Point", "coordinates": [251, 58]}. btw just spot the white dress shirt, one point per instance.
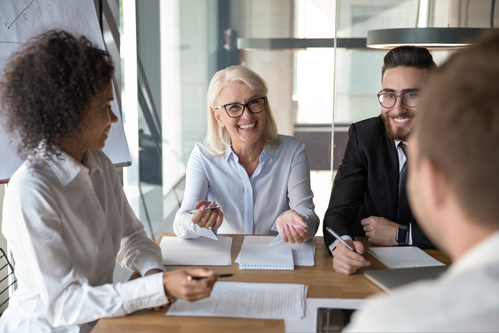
{"type": "Point", "coordinates": [251, 205]}
{"type": "Point", "coordinates": [402, 159]}
{"type": "Point", "coordinates": [464, 299]}
{"type": "Point", "coordinates": [66, 223]}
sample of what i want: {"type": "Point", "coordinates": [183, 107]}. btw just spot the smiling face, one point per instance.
{"type": "Point", "coordinates": [96, 123]}
{"type": "Point", "coordinates": [401, 81]}
{"type": "Point", "coordinates": [247, 129]}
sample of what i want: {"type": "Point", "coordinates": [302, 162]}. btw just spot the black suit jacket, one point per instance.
{"type": "Point", "coordinates": [366, 183]}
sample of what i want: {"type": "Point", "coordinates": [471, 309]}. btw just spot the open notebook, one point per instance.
{"type": "Point", "coordinates": [256, 254]}
{"type": "Point", "coordinates": [403, 257]}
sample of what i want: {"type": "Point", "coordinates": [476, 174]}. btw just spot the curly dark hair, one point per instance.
{"type": "Point", "coordinates": [47, 87]}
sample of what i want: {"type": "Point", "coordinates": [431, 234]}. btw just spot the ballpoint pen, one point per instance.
{"type": "Point", "coordinates": [207, 208]}
{"type": "Point", "coordinates": [338, 237]}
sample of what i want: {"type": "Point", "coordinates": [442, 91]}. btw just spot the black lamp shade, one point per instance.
{"type": "Point", "coordinates": [431, 38]}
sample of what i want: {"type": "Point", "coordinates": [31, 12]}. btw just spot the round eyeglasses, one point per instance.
{"type": "Point", "coordinates": [235, 110]}
{"type": "Point", "coordinates": [410, 99]}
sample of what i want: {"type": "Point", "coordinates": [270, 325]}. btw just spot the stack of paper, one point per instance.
{"type": "Point", "coordinates": [247, 300]}
{"type": "Point", "coordinates": [303, 254]}
{"type": "Point", "coordinates": [196, 251]}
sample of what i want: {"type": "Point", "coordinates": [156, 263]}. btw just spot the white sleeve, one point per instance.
{"type": "Point", "coordinates": [333, 246]}
{"type": "Point", "coordinates": [196, 189]}
{"type": "Point", "coordinates": [36, 236]}
{"type": "Point", "coordinates": [137, 252]}
{"type": "Point", "coordinates": [299, 191]}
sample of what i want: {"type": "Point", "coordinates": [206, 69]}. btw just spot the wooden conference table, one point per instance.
{"type": "Point", "coordinates": [321, 279]}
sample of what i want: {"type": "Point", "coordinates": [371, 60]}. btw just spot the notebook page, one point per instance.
{"type": "Point", "coordinates": [403, 257]}
{"type": "Point", "coordinates": [255, 254]}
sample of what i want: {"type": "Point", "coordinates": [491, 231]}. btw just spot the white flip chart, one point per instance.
{"type": "Point", "coordinates": [22, 19]}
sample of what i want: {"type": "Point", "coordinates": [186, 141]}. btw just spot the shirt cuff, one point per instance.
{"type": "Point", "coordinates": [333, 246]}
{"type": "Point", "coordinates": [144, 292]}
{"type": "Point", "coordinates": [409, 238]}
{"type": "Point", "coordinates": [149, 262]}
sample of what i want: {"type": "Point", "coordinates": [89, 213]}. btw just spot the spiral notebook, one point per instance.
{"type": "Point", "coordinates": [404, 257]}
{"type": "Point", "coordinates": [256, 254]}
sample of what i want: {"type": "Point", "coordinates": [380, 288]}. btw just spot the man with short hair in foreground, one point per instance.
{"type": "Point", "coordinates": [453, 187]}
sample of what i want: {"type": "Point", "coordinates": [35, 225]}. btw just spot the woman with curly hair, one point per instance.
{"type": "Point", "coordinates": [65, 216]}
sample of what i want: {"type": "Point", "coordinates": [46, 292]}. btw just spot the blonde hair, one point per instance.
{"type": "Point", "coordinates": [217, 138]}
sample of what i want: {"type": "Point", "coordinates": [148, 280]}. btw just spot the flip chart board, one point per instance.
{"type": "Point", "coordinates": [22, 19]}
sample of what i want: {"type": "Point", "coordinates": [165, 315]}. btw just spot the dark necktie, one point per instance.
{"type": "Point", "coordinates": [404, 214]}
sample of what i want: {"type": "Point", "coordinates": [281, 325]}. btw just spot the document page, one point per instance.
{"type": "Point", "coordinates": [196, 251]}
{"type": "Point", "coordinates": [247, 300]}
{"type": "Point", "coordinates": [303, 254]}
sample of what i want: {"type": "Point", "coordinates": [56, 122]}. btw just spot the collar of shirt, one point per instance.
{"type": "Point", "coordinates": [67, 168]}
{"type": "Point", "coordinates": [400, 154]}
{"type": "Point", "coordinates": [267, 151]}
{"type": "Point", "coordinates": [487, 251]}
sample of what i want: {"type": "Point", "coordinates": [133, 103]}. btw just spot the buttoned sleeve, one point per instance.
{"type": "Point", "coordinates": [196, 189]}
{"type": "Point", "coordinates": [36, 234]}
{"type": "Point", "coordinates": [300, 194]}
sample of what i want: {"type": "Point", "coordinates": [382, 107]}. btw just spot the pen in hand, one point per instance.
{"type": "Point", "coordinates": [338, 237]}
{"type": "Point", "coordinates": [207, 208]}
{"type": "Point", "coordinates": [189, 278]}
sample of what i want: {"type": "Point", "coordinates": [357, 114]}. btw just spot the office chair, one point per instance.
{"type": "Point", "coordinates": [6, 270]}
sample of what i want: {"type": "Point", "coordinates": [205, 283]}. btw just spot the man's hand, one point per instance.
{"type": "Point", "coordinates": [292, 228]}
{"type": "Point", "coordinates": [347, 262]}
{"type": "Point", "coordinates": [380, 231]}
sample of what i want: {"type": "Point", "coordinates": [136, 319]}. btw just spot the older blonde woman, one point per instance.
{"type": "Point", "coordinates": [260, 179]}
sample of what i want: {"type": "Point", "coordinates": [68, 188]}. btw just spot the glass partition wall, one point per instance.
{"type": "Point", "coordinates": [311, 53]}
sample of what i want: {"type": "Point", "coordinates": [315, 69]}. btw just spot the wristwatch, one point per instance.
{"type": "Point", "coordinates": [402, 236]}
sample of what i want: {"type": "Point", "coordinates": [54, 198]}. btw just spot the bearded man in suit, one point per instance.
{"type": "Point", "coordinates": [368, 196]}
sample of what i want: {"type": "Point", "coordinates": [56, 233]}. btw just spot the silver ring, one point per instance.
{"type": "Point", "coordinates": [209, 228]}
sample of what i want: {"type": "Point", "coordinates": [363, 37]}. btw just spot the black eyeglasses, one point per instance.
{"type": "Point", "coordinates": [410, 99]}
{"type": "Point", "coordinates": [235, 110]}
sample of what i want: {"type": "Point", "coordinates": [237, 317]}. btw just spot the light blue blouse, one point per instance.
{"type": "Point", "coordinates": [251, 205]}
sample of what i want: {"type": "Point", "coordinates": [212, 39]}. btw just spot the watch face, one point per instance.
{"type": "Point", "coordinates": [401, 236]}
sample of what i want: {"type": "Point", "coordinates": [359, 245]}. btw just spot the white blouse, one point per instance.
{"type": "Point", "coordinates": [251, 205]}
{"type": "Point", "coordinates": [66, 224]}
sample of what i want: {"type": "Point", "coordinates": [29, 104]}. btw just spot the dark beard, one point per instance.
{"type": "Point", "coordinates": [398, 134]}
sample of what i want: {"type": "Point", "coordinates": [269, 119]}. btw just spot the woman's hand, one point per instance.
{"type": "Point", "coordinates": [291, 227]}
{"type": "Point", "coordinates": [209, 219]}
{"type": "Point", "coordinates": [170, 299]}
{"type": "Point", "coordinates": [180, 283]}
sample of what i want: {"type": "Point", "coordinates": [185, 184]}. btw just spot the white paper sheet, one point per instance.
{"type": "Point", "coordinates": [309, 322]}
{"type": "Point", "coordinates": [247, 300]}
{"type": "Point", "coordinates": [196, 251]}
{"type": "Point", "coordinates": [303, 254]}
{"type": "Point", "coordinates": [23, 19]}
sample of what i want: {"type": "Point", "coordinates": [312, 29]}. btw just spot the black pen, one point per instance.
{"type": "Point", "coordinates": [189, 278]}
